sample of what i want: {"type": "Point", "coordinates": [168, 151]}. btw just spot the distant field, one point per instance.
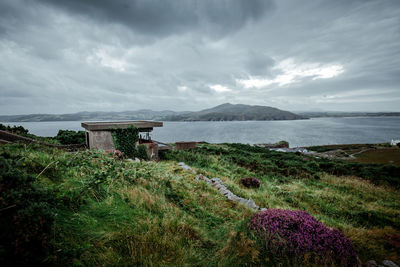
{"type": "Point", "coordinates": [380, 156]}
{"type": "Point", "coordinates": [382, 153]}
{"type": "Point", "coordinates": [347, 147]}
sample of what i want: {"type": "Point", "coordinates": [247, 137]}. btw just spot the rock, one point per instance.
{"type": "Point", "coordinates": [184, 166]}
{"type": "Point", "coordinates": [218, 186]}
{"type": "Point", "coordinates": [252, 204]}
{"type": "Point", "coordinates": [216, 180]}
{"type": "Point", "coordinates": [371, 263]}
{"type": "Point", "coordinates": [137, 160]}
{"type": "Point", "coordinates": [217, 183]}
{"type": "Point", "coordinates": [388, 263]}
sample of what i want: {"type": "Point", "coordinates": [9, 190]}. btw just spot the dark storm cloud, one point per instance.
{"type": "Point", "coordinates": [68, 56]}
{"type": "Point", "coordinates": [160, 17]}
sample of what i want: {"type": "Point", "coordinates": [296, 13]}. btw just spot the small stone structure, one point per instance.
{"type": "Point", "coordinates": [98, 134]}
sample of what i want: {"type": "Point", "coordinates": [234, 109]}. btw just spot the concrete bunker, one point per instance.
{"type": "Point", "coordinates": [98, 135]}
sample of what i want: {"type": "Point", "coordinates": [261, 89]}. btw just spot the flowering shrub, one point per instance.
{"type": "Point", "coordinates": [298, 235]}
{"type": "Point", "coordinates": [116, 154]}
{"type": "Point", "coordinates": [250, 182]}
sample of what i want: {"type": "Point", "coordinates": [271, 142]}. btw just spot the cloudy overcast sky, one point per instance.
{"type": "Point", "coordinates": [98, 55]}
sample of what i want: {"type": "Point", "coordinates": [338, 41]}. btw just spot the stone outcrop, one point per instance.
{"type": "Point", "coordinates": [217, 184]}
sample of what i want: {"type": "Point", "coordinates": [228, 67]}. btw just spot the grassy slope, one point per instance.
{"type": "Point", "coordinates": [114, 212]}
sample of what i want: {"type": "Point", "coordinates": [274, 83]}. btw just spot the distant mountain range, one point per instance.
{"type": "Point", "coordinates": [224, 112]}
{"type": "Point", "coordinates": [143, 114]}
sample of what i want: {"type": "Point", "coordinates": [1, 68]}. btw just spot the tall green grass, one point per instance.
{"type": "Point", "coordinates": [116, 213]}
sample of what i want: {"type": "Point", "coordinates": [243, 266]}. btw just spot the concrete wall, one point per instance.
{"type": "Point", "coordinates": [100, 140]}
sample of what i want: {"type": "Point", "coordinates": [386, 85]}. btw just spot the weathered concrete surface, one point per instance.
{"type": "Point", "coordinates": [100, 140]}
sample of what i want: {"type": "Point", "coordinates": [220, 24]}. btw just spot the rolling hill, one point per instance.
{"type": "Point", "coordinates": [238, 112]}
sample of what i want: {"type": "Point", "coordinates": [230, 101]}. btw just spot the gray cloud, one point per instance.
{"type": "Point", "coordinates": [69, 56]}
{"type": "Point", "coordinates": [158, 17]}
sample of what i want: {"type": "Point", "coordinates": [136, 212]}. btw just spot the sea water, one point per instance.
{"type": "Point", "coordinates": [316, 131]}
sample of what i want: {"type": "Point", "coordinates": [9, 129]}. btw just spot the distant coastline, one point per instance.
{"type": "Point", "coordinates": [224, 112]}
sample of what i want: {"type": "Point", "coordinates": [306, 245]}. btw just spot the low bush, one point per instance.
{"type": "Point", "coordinates": [68, 137]}
{"type": "Point", "coordinates": [296, 237]}
{"type": "Point", "coordinates": [14, 129]}
{"type": "Point", "coordinates": [250, 182]}
{"type": "Point", "coordinates": [142, 152]}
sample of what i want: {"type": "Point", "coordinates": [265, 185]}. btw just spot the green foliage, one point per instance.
{"type": "Point", "coordinates": [125, 140]}
{"type": "Point", "coordinates": [281, 165]}
{"type": "Point", "coordinates": [68, 137]}
{"type": "Point", "coordinates": [142, 152]}
{"type": "Point", "coordinates": [14, 129]}
{"type": "Point", "coordinates": [27, 215]}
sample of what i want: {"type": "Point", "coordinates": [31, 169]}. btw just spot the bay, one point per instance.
{"type": "Point", "coordinates": [316, 131]}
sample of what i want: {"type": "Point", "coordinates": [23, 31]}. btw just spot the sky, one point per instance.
{"type": "Point", "coordinates": [116, 55]}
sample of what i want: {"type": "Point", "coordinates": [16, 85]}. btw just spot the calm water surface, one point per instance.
{"type": "Point", "coordinates": [318, 131]}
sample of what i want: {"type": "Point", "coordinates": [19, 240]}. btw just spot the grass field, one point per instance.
{"type": "Point", "coordinates": [380, 156]}
{"type": "Point", "coordinates": [111, 212]}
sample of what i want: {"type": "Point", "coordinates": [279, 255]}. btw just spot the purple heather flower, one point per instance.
{"type": "Point", "coordinates": [298, 233]}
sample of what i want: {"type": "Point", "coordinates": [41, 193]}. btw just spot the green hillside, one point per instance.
{"type": "Point", "coordinates": [238, 112]}
{"type": "Point", "coordinates": [86, 208]}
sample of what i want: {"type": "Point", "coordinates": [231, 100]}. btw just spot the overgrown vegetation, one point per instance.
{"type": "Point", "coordinates": [125, 140]}
{"type": "Point", "coordinates": [26, 215]}
{"type": "Point", "coordinates": [108, 212]}
{"type": "Point", "coordinates": [14, 129]}
{"type": "Point", "coordinates": [20, 130]}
